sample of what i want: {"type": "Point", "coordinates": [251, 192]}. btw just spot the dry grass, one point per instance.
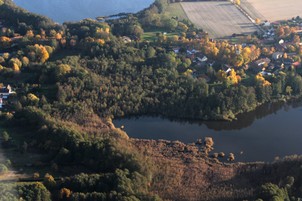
{"type": "Point", "coordinates": [273, 10]}
{"type": "Point", "coordinates": [219, 19]}
{"type": "Point", "coordinates": [183, 173]}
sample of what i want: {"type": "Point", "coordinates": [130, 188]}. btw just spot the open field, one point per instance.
{"type": "Point", "coordinates": [273, 10]}
{"type": "Point", "coordinates": [219, 19]}
{"type": "Point", "coordinates": [175, 9]}
{"type": "Point", "coordinates": [151, 35]}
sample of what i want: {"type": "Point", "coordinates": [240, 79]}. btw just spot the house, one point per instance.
{"type": "Point", "coordinates": [297, 64]}
{"type": "Point", "coordinates": [191, 52]}
{"type": "Point", "coordinates": [266, 73]}
{"type": "Point", "coordinates": [288, 62]}
{"type": "Point", "coordinates": [194, 51]}
{"type": "Point", "coordinates": [271, 67]}
{"type": "Point", "coordinates": [299, 32]}
{"type": "Point", "coordinates": [203, 59]}
{"type": "Point", "coordinates": [226, 67]}
{"type": "Point", "coordinates": [228, 70]}
{"type": "Point", "coordinates": [277, 55]}
{"type": "Point", "coordinates": [176, 50]}
{"type": "Point", "coordinates": [211, 63]}
{"type": "Point", "coordinates": [291, 54]}
{"type": "Point", "coordinates": [16, 38]}
{"type": "Point", "coordinates": [260, 65]}
{"type": "Point", "coordinates": [266, 24]}
{"type": "Point", "coordinates": [262, 62]}
{"type": "Point", "coordinates": [5, 92]}
{"type": "Point", "coordinates": [126, 39]}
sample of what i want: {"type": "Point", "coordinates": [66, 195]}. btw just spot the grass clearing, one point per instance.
{"type": "Point", "coordinates": [219, 19]}
{"type": "Point", "coordinates": [151, 35]}
{"type": "Point", "coordinates": [273, 10]}
{"type": "Point", "coordinates": [176, 10]}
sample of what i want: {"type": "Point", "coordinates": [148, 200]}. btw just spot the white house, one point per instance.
{"type": "Point", "coordinates": [267, 24]}
{"type": "Point", "coordinates": [203, 59]}
{"type": "Point", "coordinates": [277, 55]}
{"type": "Point", "coordinates": [6, 91]}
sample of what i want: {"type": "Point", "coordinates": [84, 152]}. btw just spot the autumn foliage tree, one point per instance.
{"type": "Point", "coordinates": [65, 193]}
{"type": "Point", "coordinates": [16, 64]}
{"type": "Point", "coordinates": [233, 78]}
{"type": "Point", "coordinates": [62, 69]}
{"type": "Point", "coordinates": [38, 53]}
{"type": "Point", "coordinates": [49, 181]}
{"type": "Point", "coordinates": [230, 78]}
{"type": "Point", "coordinates": [4, 41]}
{"type": "Point", "coordinates": [261, 80]}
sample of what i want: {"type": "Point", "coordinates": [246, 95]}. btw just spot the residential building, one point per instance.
{"type": "Point", "coordinates": [277, 55]}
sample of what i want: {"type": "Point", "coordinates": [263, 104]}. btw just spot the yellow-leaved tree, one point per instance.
{"type": "Point", "coordinates": [62, 69]}
{"type": "Point", "coordinates": [38, 53]}
{"type": "Point", "coordinates": [233, 78]}
{"type": "Point", "coordinates": [4, 41]}
{"type": "Point", "coordinates": [260, 79]}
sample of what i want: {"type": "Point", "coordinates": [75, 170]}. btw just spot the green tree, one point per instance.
{"type": "Point", "coordinates": [136, 30]}
{"type": "Point", "coordinates": [24, 147]}
{"type": "Point", "coordinates": [150, 52]}
{"type": "Point", "coordinates": [288, 90]}
{"type": "Point", "coordinates": [169, 23]}
{"type": "Point", "coordinates": [272, 192]}
{"type": "Point", "coordinates": [62, 69]}
{"type": "Point", "coordinates": [49, 181]}
{"type": "Point", "coordinates": [5, 136]}
{"type": "Point", "coordinates": [3, 169]}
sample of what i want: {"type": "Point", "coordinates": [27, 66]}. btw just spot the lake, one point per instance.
{"type": "Point", "coordinates": [271, 130]}
{"type": "Point", "coordinates": [74, 10]}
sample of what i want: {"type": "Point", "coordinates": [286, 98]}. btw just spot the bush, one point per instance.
{"type": "Point", "coordinates": [5, 136]}
{"type": "Point", "coordinates": [3, 169]}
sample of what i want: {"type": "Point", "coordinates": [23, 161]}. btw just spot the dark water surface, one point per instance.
{"type": "Point", "coordinates": [272, 130]}
{"type": "Point", "coordinates": [75, 10]}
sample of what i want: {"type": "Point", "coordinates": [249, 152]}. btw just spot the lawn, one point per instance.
{"type": "Point", "coordinates": [151, 35]}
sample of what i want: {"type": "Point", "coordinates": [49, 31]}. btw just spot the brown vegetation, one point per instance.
{"type": "Point", "coordinates": [184, 172]}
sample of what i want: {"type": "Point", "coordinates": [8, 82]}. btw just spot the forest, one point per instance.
{"type": "Point", "coordinates": [72, 79]}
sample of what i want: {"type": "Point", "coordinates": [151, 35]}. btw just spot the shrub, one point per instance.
{"type": "Point", "coordinates": [3, 169]}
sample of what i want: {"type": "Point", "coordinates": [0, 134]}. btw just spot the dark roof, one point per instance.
{"type": "Point", "coordinates": [4, 90]}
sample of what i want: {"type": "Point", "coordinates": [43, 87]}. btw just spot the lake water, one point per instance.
{"type": "Point", "coordinates": [271, 130]}
{"type": "Point", "coordinates": [75, 10]}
